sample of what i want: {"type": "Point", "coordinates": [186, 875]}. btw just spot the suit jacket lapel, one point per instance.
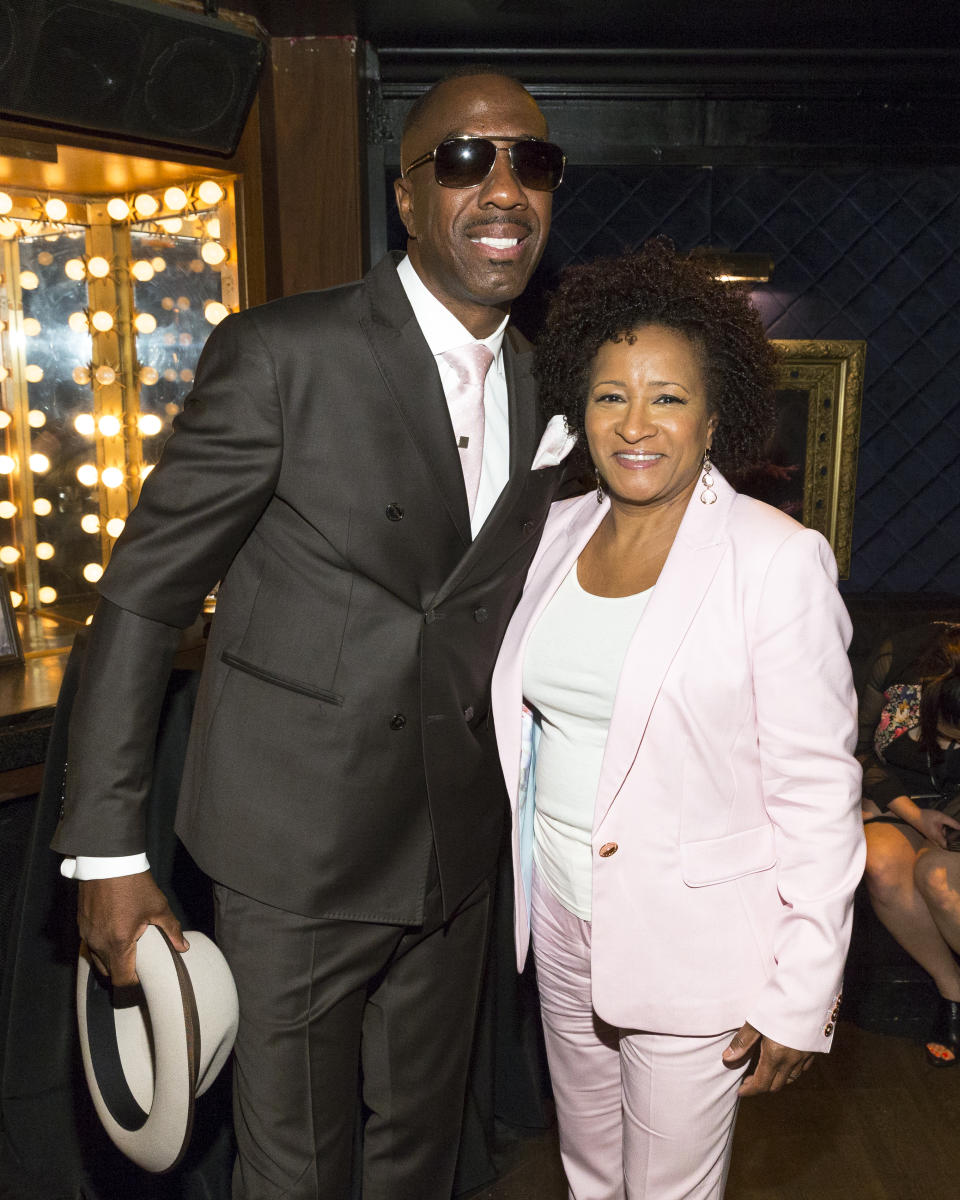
{"type": "Point", "coordinates": [684, 581]}
{"type": "Point", "coordinates": [411, 377]}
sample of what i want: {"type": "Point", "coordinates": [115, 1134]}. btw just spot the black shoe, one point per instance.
{"type": "Point", "coordinates": [945, 1035]}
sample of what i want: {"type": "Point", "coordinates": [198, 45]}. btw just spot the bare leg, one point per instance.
{"type": "Point", "coordinates": [892, 852]}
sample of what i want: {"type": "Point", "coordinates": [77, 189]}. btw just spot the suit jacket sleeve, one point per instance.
{"type": "Point", "coordinates": [806, 716]}
{"type": "Point", "coordinates": [217, 473]}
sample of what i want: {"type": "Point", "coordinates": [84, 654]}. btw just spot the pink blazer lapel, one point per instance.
{"type": "Point", "coordinates": [691, 565]}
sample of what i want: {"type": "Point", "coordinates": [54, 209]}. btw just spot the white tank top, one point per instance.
{"type": "Point", "coordinates": [570, 674]}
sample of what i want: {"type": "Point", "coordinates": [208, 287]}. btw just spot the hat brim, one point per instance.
{"type": "Point", "coordinates": [143, 1062]}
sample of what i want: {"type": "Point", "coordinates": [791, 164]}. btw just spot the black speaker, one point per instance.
{"type": "Point", "coordinates": [128, 67]}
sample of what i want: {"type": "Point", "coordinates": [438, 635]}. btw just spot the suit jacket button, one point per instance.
{"type": "Point", "coordinates": [394, 512]}
{"type": "Point", "coordinates": [397, 721]}
{"type": "Point", "coordinates": [526, 526]}
{"type": "Point", "coordinates": [468, 713]}
{"type": "Point", "coordinates": [480, 615]}
{"type": "Point", "coordinates": [828, 1029]}
{"type": "Point", "coordinates": [608, 848]}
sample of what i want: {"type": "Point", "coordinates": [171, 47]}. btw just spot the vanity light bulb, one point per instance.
{"type": "Point", "coordinates": [55, 209]}
{"type": "Point", "coordinates": [210, 192]}
{"type": "Point", "coordinates": [145, 204]}
{"type": "Point", "coordinates": [39, 463]}
{"type": "Point", "coordinates": [111, 477]}
{"type": "Point", "coordinates": [175, 198]}
{"type": "Point", "coordinates": [149, 424]}
{"type": "Point", "coordinates": [92, 572]}
{"type": "Point", "coordinates": [98, 267]}
{"type": "Point", "coordinates": [109, 425]}
{"type": "Point", "coordinates": [102, 321]}
{"type": "Point", "coordinates": [149, 376]}
{"type": "Point", "coordinates": [42, 506]}
{"type": "Point", "coordinates": [145, 471]}
{"type": "Point", "coordinates": [212, 253]}
{"type": "Point", "coordinates": [84, 423]}
{"type": "Point", "coordinates": [7, 510]}
{"type": "Point", "coordinates": [33, 373]}
{"type": "Point", "coordinates": [142, 270]}
{"type": "Point", "coordinates": [118, 209]}
{"type": "Point", "coordinates": [212, 227]}
{"type": "Point", "coordinates": [158, 263]}
{"type": "Point", "coordinates": [5, 419]}
{"type": "Point", "coordinates": [7, 464]}
{"type": "Point", "coordinates": [90, 523]}
{"type": "Point", "coordinates": [46, 595]}
{"type": "Point", "coordinates": [31, 326]}
{"type": "Point", "coordinates": [145, 322]}
{"type": "Point", "coordinates": [105, 375]}
{"type": "Point", "coordinates": [215, 312]}
{"type": "Point", "coordinates": [45, 550]}
{"type": "Point", "coordinates": [9, 555]}
{"type": "Point", "coordinates": [81, 377]}
{"type": "Point", "coordinates": [36, 419]}
{"type": "Point", "coordinates": [6, 203]}
{"type": "Point", "coordinates": [29, 280]}
{"type": "Point", "coordinates": [75, 269]}
{"type": "Point", "coordinates": [8, 228]}
{"type": "Point", "coordinates": [115, 527]}
{"type": "Point", "coordinates": [78, 322]}
{"type": "Point", "coordinates": [16, 598]}
{"type": "Point", "coordinates": [171, 224]}
{"type": "Point", "coordinates": [88, 474]}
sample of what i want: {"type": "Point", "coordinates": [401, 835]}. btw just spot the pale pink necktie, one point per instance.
{"type": "Point", "coordinates": [471, 363]}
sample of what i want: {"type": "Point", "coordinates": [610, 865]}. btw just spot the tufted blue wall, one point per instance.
{"type": "Point", "coordinates": [872, 254]}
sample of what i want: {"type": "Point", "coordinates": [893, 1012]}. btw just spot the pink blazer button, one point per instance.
{"type": "Point", "coordinates": [608, 848]}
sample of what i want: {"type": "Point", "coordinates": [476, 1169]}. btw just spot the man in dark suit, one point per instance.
{"type": "Point", "coordinates": [341, 786]}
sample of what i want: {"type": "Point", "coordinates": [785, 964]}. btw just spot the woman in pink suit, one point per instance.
{"type": "Point", "coordinates": [676, 718]}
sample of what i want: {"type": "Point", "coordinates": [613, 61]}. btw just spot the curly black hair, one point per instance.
{"type": "Point", "coordinates": [605, 300]}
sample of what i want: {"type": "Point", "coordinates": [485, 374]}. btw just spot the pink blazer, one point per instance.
{"type": "Point", "coordinates": [727, 835]}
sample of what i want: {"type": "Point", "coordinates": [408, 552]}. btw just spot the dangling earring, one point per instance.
{"type": "Point", "coordinates": [708, 495]}
{"type": "Point", "coordinates": [599, 486]}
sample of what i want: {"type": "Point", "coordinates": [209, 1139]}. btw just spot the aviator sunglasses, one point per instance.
{"type": "Point", "coordinates": [464, 162]}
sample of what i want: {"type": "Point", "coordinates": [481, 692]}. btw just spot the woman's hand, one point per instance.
{"type": "Point", "coordinates": [776, 1065]}
{"type": "Point", "coordinates": [926, 821]}
{"type": "Point", "coordinates": [933, 824]}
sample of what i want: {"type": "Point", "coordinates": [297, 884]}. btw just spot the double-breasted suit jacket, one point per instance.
{"type": "Point", "coordinates": [726, 836]}
{"type": "Point", "coordinates": [342, 726]}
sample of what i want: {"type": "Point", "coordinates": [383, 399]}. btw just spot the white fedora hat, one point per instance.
{"type": "Point", "coordinates": [147, 1063]}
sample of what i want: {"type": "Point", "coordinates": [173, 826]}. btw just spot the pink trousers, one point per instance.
{"type": "Point", "coordinates": [640, 1114]}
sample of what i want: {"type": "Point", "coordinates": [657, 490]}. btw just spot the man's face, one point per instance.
{"type": "Point", "coordinates": [450, 229]}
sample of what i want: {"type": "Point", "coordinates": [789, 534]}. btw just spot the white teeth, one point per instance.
{"type": "Point", "coordinates": [639, 457]}
{"type": "Point", "coordinates": [497, 243]}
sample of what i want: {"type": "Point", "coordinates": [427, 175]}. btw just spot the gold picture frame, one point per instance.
{"type": "Point", "coordinates": [811, 467]}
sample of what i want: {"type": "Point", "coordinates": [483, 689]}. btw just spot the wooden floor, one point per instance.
{"type": "Point", "coordinates": [870, 1121]}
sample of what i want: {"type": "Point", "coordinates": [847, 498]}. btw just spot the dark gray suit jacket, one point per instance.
{"type": "Point", "coordinates": [342, 727]}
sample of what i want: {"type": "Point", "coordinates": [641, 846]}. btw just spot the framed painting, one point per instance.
{"type": "Point", "coordinates": [810, 468]}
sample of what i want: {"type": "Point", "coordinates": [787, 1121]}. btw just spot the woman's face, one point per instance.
{"type": "Point", "coordinates": [647, 419]}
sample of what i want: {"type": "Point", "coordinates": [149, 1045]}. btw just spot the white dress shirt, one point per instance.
{"type": "Point", "coordinates": [442, 331]}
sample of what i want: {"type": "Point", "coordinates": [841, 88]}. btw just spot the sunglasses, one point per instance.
{"type": "Point", "coordinates": [464, 162]}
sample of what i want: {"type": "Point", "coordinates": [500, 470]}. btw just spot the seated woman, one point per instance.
{"type": "Point", "coordinates": [676, 720]}
{"type": "Point", "coordinates": [909, 733]}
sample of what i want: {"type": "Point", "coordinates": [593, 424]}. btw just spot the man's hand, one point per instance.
{"type": "Point", "coordinates": [776, 1065]}
{"type": "Point", "coordinates": [113, 913]}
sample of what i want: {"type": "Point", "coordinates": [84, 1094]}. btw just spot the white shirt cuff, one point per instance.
{"type": "Point", "coordinates": [86, 867]}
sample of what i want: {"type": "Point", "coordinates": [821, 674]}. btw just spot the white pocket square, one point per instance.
{"type": "Point", "coordinates": [555, 444]}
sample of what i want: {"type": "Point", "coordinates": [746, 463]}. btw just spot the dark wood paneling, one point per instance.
{"type": "Point", "coordinates": [312, 161]}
